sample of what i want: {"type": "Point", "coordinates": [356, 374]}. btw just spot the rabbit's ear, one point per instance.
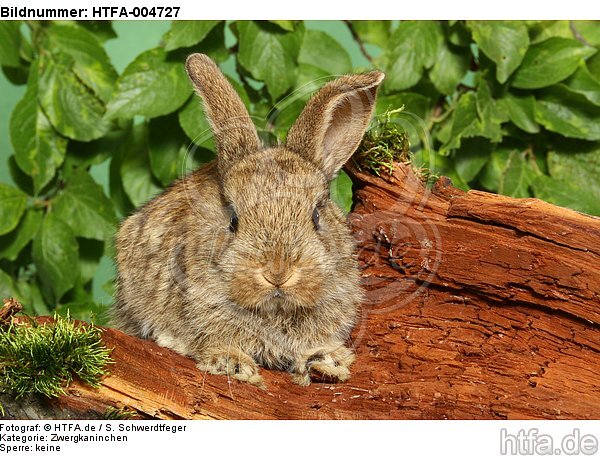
{"type": "Point", "coordinates": [334, 121]}
{"type": "Point", "coordinates": [235, 134]}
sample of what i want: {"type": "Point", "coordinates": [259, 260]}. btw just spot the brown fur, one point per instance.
{"type": "Point", "coordinates": [278, 292]}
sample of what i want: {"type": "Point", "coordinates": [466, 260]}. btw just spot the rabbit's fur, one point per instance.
{"type": "Point", "coordinates": [247, 261]}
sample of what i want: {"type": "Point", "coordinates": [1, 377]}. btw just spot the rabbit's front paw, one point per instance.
{"type": "Point", "coordinates": [234, 364]}
{"type": "Point", "coordinates": [325, 364]}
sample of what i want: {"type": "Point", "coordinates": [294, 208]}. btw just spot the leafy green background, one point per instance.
{"type": "Point", "coordinates": [98, 117]}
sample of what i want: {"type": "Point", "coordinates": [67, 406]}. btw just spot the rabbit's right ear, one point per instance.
{"type": "Point", "coordinates": [235, 134]}
{"type": "Point", "coordinates": [332, 124]}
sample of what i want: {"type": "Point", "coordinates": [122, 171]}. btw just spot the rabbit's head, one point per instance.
{"type": "Point", "coordinates": [286, 243]}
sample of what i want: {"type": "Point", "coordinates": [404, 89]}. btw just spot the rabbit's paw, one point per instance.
{"type": "Point", "coordinates": [234, 364]}
{"type": "Point", "coordinates": [301, 378]}
{"type": "Point", "coordinates": [325, 364]}
{"type": "Point", "coordinates": [324, 367]}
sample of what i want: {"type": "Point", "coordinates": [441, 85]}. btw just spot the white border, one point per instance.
{"type": "Point", "coordinates": [335, 10]}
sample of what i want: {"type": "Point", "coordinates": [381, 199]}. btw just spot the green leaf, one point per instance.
{"type": "Point", "coordinates": [288, 26]}
{"type": "Point", "coordinates": [373, 32]}
{"type": "Point", "coordinates": [491, 116]}
{"type": "Point", "coordinates": [576, 161]}
{"type": "Point", "coordinates": [574, 167]}
{"type": "Point", "coordinates": [472, 157]}
{"type": "Point", "coordinates": [465, 121]}
{"type": "Point", "coordinates": [568, 114]}
{"type": "Point", "coordinates": [91, 64]}
{"type": "Point", "coordinates": [12, 207]}
{"type": "Point", "coordinates": [441, 132]}
{"type": "Point", "coordinates": [457, 34]}
{"type": "Point", "coordinates": [414, 104]}
{"type": "Point", "coordinates": [589, 31]}
{"type": "Point", "coordinates": [10, 43]}
{"type": "Point", "coordinates": [593, 64]}
{"type": "Point", "coordinates": [26, 51]}
{"type": "Point", "coordinates": [505, 42]}
{"type": "Point", "coordinates": [566, 193]}
{"type": "Point", "coordinates": [286, 114]}
{"type": "Point", "coordinates": [450, 67]}
{"type": "Point", "coordinates": [85, 309]}
{"type": "Point", "coordinates": [7, 288]}
{"type": "Point", "coordinates": [79, 73]}
{"type": "Point", "coordinates": [194, 123]}
{"type": "Point", "coordinates": [121, 201]}
{"type": "Point", "coordinates": [213, 45]}
{"type": "Point", "coordinates": [510, 172]}
{"type": "Point", "coordinates": [31, 297]}
{"type": "Point", "coordinates": [13, 243]}
{"type": "Point", "coordinates": [493, 171]}
{"type": "Point", "coordinates": [414, 45]}
{"type": "Point", "coordinates": [270, 54]}
{"type": "Point", "coordinates": [168, 149]}
{"type": "Point", "coordinates": [55, 253]}
{"type": "Point", "coordinates": [320, 50]}
{"type": "Point", "coordinates": [90, 253]}
{"type": "Point", "coordinates": [171, 155]}
{"type": "Point", "coordinates": [22, 180]}
{"type": "Point", "coordinates": [69, 104]}
{"type": "Point", "coordinates": [341, 191]}
{"type": "Point", "coordinates": [84, 155]}
{"type": "Point", "coordinates": [438, 165]}
{"type": "Point", "coordinates": [39, 150]}
{"type": "Point", "coordinates": [542, 30]}
{"type": "Point", "coordinates": [520, 110]}
{"type": "Point", "coordinates": [102, 30]}
{"type": "Point", "coordinates": [549, 62]}
{"type": "Point", "coordinates": [187, 33]}
{"type": "Point", "coordinates": [83, 205]}
{"type": "Point", "coordinates": [138, 182]}
{"type": "Point", "coordinates": [516, 176]}
{"type": "Point", "coordinates": [309, 80]}
{"type": "Point", "coordinates": [584, 83]}
{"type": "Point", "coordinates": [150, 86]}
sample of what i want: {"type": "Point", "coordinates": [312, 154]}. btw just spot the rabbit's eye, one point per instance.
{"type": "Point", "coordinates": [315, 218]}
{"type": "Point", "coordinates": [233, 222]}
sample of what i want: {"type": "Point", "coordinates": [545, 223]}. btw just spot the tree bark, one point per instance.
{"type": "Point", "coordinates": [478, 306]}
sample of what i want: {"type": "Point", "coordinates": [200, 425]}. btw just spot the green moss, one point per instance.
{"type": "Point", "coordinates": [114, 413]}
{"type": "Point", "coordinates": [427, 176]}
{"type": "Point", "coordinates": [383, 145]}
{"type": "Point", "coordinates": [44, 358]}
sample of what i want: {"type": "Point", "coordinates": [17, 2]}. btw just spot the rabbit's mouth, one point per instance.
{"type": "Point", "coordinates": [259, 294]}
{"type": "Point", "coordinates": [278, 294]}
{"type": "Point", "coordinates": [281, 302]}
{"type": "Point", "coordinates": [277, 283]}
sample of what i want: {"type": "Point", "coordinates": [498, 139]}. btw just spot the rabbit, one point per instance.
{"type": "Point", "coordinates": [246, 261]}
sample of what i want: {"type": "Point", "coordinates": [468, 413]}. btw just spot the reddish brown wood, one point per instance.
{"type": "Point", "coordinates": [11, 307]}
{"type": "Point", "coordinates": [478, 306]}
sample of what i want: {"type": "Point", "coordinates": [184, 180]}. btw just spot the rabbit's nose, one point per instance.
{"type": "Point", "coordinates": [276, 279]}
{"type": "Point", "coordinates": [277, 272]}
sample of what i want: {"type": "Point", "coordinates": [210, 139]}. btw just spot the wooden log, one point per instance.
{"type": "Point", "coordinates": [478, 306]}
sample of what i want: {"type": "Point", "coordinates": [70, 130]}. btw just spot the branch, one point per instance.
{"type": "Point", "coordinates": [477, 306]}
{"type": "Point", "coordinates": [360, 42]}
{"type": "Point", "coordinates": [578, 36]}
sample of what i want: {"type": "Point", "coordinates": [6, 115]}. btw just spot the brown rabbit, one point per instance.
{"type": "Point", "coordinates": [247, 261]}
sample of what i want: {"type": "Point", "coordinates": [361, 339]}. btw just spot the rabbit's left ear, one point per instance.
{"type": "Point", "coordinates": [332, 124]}
{"type": "Point", "coordinates": [230, 122]}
